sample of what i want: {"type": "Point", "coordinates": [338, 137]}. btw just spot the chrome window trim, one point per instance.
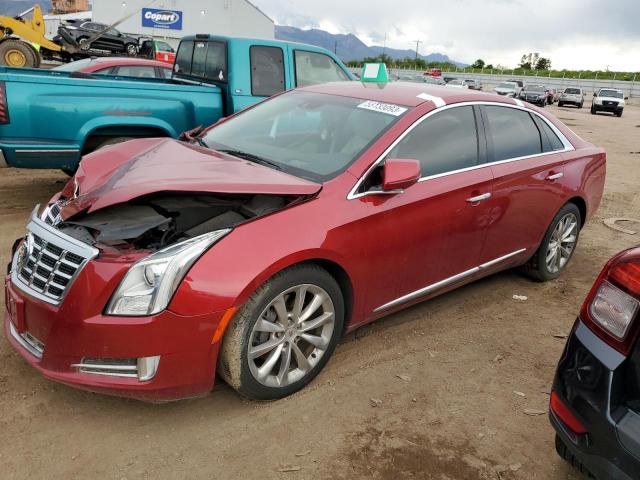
{"type": "Point", "coordinates": [62, 240]}
{"type": "Point", "coordinates": [447, 281]}
{"type": "Point", "coordinates": [567, 145]}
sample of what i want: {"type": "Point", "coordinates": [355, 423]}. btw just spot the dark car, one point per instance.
{"type": "Point", "coordinates": [108, 39]}
{"type": "Point", "coordinates": [536, 94]}
{"type": "Point", "coordinates": [595, 401]}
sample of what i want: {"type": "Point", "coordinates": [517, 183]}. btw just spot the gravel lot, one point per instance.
{"type": "Point", "coordinates": [441, 374]}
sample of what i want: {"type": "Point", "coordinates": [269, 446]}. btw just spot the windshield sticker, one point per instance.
{"type": "Point", "coordinates": [387, 108]}
{"type": "Point", "coordinates": [430, 98]}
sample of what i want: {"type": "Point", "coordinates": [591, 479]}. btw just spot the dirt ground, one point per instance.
{"type": "Point", "coordinates": [445, 371]}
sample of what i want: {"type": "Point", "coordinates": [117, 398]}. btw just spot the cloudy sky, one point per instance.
{"type": "Point", "coordinates": [575, 34]}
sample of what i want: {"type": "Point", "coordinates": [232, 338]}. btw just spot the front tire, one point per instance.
{"type": "Point", "coordinates": [619, 113]}
{"type": "Point", "coordinates": [557, 247]}
{"type": "Point", "coordinates": [593, 110]}
{"type": "Point", "coordinates": [132, 50]}
{"type": "Point", "coordinates": [284, 334]}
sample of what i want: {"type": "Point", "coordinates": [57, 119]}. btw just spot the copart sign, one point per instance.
{"type": "Point", "coordinates": [169, 19]}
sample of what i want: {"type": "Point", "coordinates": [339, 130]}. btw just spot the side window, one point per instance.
{"type": "Point", "coordinates": [107, 71]}
{"type": "Point", "coordinates": [550, 141]}
{"type": "Point", "coordinates": [267, 70]}
{"type": "Point", "coordinates": [512, 133]}
{"type": "Point", "coordinates": [312, 68]}
{"type": "Point", "coordinates": [198, 68]}
{"type": "Point", "coordinates": [137, 71]}
{"type": "Point", "coordinates": [444, 142]}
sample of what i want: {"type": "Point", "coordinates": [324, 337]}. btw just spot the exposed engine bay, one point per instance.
{"type": "Point", "coordinates": [156, 221]}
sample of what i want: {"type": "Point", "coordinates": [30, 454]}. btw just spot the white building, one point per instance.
{"type": "Point", "coordinates": [174, 19]}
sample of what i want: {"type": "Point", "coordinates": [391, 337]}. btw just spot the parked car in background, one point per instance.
{"type": "Point", "coordinates": [534, 93]}
{"type": "Point", "coordinates": [473, 84]}
{"type": "Point", "coordinates": [433, 80]}
{"type": "Point", "coordinates": [157, 50]}
{"type": "Point", "coordinates": [456, 84]}
{"type": "Point", "coordinates": [434, 72]}
{"type": "Point", "coordinates": [595, 401]}
{"type": "Point", "coordinates": [519, 83]}
{"type": "Point", "coordinates": [123, 66]}
{"type": "Point", "coordinates": [508, 89]}
{"type": "Point", "coordinates": [572, 96]}
{"type": "Point", "coordinates": [145, 265]}
{"type": "Point", "coordinates": [608, 100]}
{"type": "Point", "coordinates": [213, 77]}
{"type": "Point", "coordinates": [109, 39]}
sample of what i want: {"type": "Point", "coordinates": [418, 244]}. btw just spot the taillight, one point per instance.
{"type": "Point", "coordinates": [565, 415]}
{"type": "Point", "coordinates": [613, 305]}
{"type": "Point", "coordinates": [4, 108]}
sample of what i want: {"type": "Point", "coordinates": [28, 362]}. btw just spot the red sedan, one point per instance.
{"type": "Point", "coordinates": [124, 66]}
{"type": "Point", "coordinates": [252, 248]}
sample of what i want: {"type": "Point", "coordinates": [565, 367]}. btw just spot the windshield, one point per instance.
{"type": "Point", "coordinates": [572, 91]}
{"type": "Point", "coordinates": [507, 85]}
{"type": "Point", "coordinates": [74, 66]}
{"type": "Point", "coordinates": [534, 88]}
{"type": "Point", "coordinates": [610, 93]}
{"type": "Point", "coordinates": [311, 135]}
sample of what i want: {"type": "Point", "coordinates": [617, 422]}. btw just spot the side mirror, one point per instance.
{"type": "Point", "coordinates": [399, 174]}
{"type": "Point", "coordinates": [595, 94]}
{"type": "Point", "coordinates": [626, 98]}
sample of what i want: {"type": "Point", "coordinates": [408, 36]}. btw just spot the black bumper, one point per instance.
{"type": "Point", "coordinates": [589, 382]}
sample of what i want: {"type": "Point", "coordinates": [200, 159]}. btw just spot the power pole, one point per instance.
{"type": "Point", "coordinates": [417, 47]}
{"type": "Point", "coordinates": [335, 47]}
{"type": "Point", "coordinates": [384, 45]}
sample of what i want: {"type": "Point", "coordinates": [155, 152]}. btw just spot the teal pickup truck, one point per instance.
{"type": "Point", "coordinates": [49, 119]}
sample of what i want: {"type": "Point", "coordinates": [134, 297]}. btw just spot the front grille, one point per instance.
{"type": "Point", "coordinates": [610, 104]}
{"type": "Point", "coordinates": [49, 268]}
{"type": "Point", "coordinates": [48, 261]}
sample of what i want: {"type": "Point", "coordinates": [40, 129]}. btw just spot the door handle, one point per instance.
{"type": "Point", "coordinates": [555, 176]}
{"type": "Point", "coordinates": [479, 198]}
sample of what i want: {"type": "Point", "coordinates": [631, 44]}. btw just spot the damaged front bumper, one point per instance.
{"type": "Point", "coordinates": [159, 358]}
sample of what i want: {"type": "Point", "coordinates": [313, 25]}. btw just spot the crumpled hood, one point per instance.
{"type": "Point", "coordinates": [133, 169]}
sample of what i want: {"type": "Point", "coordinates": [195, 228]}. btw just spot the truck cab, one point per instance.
{"type": "Point", "coordinates": [250, 70]}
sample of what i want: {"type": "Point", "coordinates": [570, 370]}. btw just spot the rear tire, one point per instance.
{"type": "Point", "coordinates": [266, 325]}
{"type": "Point", "coordinates": [18, 54]}
{"type": "Point", "coordinates": [557, 247]}
{"type": "Point", "coordinates": [565, 454]}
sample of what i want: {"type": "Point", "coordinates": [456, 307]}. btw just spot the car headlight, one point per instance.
{"type": "Point", "coordinates": [150, 283]}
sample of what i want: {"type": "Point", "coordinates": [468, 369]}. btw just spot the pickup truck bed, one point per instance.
{"type": "Point", "coordinates": [52, 107]}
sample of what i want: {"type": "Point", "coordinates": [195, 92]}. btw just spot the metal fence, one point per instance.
{"type": "Point", "coordinates": [630, 88]}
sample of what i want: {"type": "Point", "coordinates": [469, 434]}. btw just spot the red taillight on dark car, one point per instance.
{"type": "Point", "coordinates": [565, 415]}
{"type": "Point", "coordinates": [613, 305]}
{"type": "Point", "coordinates": [4, 108]}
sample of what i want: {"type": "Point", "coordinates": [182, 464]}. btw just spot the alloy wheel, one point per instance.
{"type": "Point", "coordinates": [291, 335]}
{"type": "Point", "coordinates": [562, 243]}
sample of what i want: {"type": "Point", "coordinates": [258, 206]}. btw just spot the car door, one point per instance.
{"type": "Point", "coordinates": [435, 229]}
{"type": "Point", "coordinates": [527, 163]}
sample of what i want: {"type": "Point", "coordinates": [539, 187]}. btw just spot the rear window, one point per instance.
{"type": "Point", "coordinates": [572, 91]}
{"type": "Point", "coordinates": [200, 59]}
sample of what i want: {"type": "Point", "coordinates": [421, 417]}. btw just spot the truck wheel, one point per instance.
{"type": "Point", "coordinates": [16, 53]}
{"type": "Point", "coordinates": [557, 247]}
{"type": "Point", "coordinates": [581, 105]}
{"type": "Point", "coordinates": [619, 113]}
{"type": "Point", "coordinates": [593, 110]}
{"type": "Point", "coordinates": [284, 334]}
{"type": "Point", "coordinates": [84, 44]}
{"type": "Point", "coordinates": [560, 104]}
{"type": "Point", "coordinates": [132, 49]}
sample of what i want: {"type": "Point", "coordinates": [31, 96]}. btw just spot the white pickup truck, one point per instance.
{"type": "Point", "coordinates": [608, 100]}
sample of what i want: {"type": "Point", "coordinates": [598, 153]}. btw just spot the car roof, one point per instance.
{"type": "Point", "coordinates": [123, 61]}
{"type": "Point", "coordinates": [407, 94]}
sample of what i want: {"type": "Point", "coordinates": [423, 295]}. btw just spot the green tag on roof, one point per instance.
{"type": "Point", "coordinates": [374, 72]}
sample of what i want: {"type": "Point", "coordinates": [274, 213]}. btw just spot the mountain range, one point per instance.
{"type": "Point", "coordinates": [349, 47]}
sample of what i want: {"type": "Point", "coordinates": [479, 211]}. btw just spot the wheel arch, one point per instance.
{"type": "Point", "coordinates": [112, 130]}
{"type": "Point", "coordinates": [582, 207]}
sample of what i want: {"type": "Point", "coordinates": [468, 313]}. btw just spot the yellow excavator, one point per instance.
{"type": "Point", "coordinates": [22, 40]}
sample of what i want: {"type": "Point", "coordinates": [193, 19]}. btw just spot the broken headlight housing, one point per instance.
{"type": "Point", "coordinates": [150, 283]}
